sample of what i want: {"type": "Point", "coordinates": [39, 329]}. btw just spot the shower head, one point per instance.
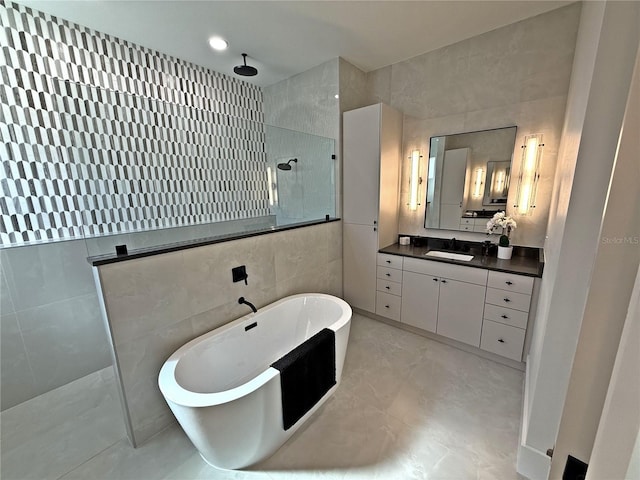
{"type": "Point", "coordinates": [245, 70]}
{"type": "Point", "coordinates": [287, 166]}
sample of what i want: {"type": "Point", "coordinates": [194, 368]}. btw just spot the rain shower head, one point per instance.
{"type": "Point", "coordinates": [287, 166]}
{"type": "Point", "coordinates": [245, 70]}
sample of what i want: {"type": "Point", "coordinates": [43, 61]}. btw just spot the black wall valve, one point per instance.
{"type": "Point", "coordinates": [240, 274]}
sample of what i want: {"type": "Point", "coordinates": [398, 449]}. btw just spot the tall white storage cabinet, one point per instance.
{"type": "Point", "coordinates": [372, 149]}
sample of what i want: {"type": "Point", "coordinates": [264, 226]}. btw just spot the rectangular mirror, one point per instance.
{"type": "Point", "coordinates": [468, 178]}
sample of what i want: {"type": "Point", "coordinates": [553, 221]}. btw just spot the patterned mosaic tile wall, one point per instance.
{"type": "Point", "coordinates": [100, 134]}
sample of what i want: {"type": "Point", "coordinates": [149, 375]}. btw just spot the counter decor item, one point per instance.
{"type": "Point", "coordinates": [508, 224]}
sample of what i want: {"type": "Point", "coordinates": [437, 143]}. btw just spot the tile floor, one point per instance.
{"type": "Point", "coordinates": [408, 408]}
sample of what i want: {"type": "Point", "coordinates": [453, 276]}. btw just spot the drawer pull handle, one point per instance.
{"type": "Point", "coordinates": [388, 274]}
{"type": "Point", "coordinates": [388, 261]}
{"type": "Point", "coordinates": [501, 340]}
{"type": "Point", "coordinates": [386, 306]}
{"type": "Point", "coordinates": [443, 281]}
{"type": "Point", "coordinates": [435, 279]}
{"type": "Point", "coordinates": [504, 316]}
{"type": "Point", "coordinates": [388, 287]}
{"type": "Point", "coordinates": [509, 283]}
{"type": "Point", "coordinates": [506, 300]}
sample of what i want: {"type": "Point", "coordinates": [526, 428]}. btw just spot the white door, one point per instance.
{"type": "Point", "coordinates": [359, 249]}
{"type": "Point", "coordinates": [453, 176]}
{"type": "Point", "coordinates": [460, 311]}
{"type": "Point", "coordinates": [420, 300]}
{"type": "Point", "coordinates": [361, 165]}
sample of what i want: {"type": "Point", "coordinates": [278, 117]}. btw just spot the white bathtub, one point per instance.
{"type": "Point", "coordinates": [222, 389]}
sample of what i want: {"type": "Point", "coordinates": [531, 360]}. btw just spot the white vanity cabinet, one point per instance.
{"type": "Point", "coordinates": [420, 300]}
{"type": "Point", "coordinates": [443, 298]}
{"type": "Point", "coordinates": [389, 286]}
{"type": "Point", "coordinates": [506, 314]}
{"type": "Point", "coordinates": [483, 308]}
{"type": "Point", "coordinates": [372, 148]}
{"type": "Point", "coordinates": [471, 224]}
{"type": "Point", "coordinates": [460, 308]}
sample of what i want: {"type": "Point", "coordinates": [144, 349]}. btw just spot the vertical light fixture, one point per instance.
{"type": "Point", "coordinates": [529, 174]}
{"type": "Point", "coordinates": [272, 188]}
{"type": "Point", "coordinates": [477, 184]}
{"type": "Point", "coordinates": [498, 185]}
{"type": "Point", "coordinates": [414, 180]}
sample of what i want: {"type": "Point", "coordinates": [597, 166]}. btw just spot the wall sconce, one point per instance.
{"type": "Point", "coordinates": [477, 183]}
{"type": "Point", "coordinates": [498, 185]}
{"type": "Point", "coordinates": [272, 188]}
{"type": "Point", "coordinates": [414, 180]}
{"type": "Point", "coordinates": [529, 174]}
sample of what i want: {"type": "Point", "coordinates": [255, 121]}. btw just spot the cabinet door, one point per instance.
{"type": "Point", "coordinates": [460, 311]}
{"type": "Point", "coordinates": [359, 251]}
{"type": "Point", "coordinates": [361, 165]}
{"type": "Point", "coordinates": [419, 300]}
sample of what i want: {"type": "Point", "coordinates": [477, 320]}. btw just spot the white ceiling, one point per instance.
{"type": "Point", "coordinates": [283, 38]}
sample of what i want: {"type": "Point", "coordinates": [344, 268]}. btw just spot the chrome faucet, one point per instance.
{"type": "Point", "coordinates": [241, 300]}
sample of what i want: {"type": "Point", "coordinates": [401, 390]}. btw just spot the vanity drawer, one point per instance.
{"type": "Point", "coordinates": [466, 228]}
{"type": "Point", "coordinates": [511, 282]}
{"type": "Point", "coordinates": [518, 301]}
{"type": "Point", "coordinates": [466, 221]}
{"type": "Point", "coordinates": [388, 305]}
{"type": "Point", "coordinates": [391, 261]}
{"type": "Point", "coordinates": [446, 270]}
{"type": "Point", "coordinates": [502, 339]}
{"type": "Point", "coordinates": [387, 286]}
{"type": "Point", "coordinates": [508, 316]}
{"type": "Point", "coordinates": [391, 274]}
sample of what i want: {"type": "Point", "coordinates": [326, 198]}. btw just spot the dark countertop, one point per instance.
{"type": "Point", "coordinates": [528, 261]}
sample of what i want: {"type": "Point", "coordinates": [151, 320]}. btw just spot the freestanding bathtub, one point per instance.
{"type": "Point", "coordinates": [223, 391]}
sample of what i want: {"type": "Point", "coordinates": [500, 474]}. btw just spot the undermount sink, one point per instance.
{"type": "Point", "coordinates": [451, 256]}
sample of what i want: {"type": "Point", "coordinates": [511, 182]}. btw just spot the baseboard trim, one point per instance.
{"type": "Point", "coordinates": [531, 463]}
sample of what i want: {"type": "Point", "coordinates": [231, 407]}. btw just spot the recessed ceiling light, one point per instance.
{"type": "Point", "coordinates": [218, 43]}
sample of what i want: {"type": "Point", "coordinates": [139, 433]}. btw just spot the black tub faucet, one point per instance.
{"type": "Point", "coordinates": [454, 244]}
{"type": "Point", "coordinates": [241, 300]}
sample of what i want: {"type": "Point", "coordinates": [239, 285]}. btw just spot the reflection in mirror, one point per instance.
{"type": "Point", "coordinates": [468, 178]}
{"type": "Point", "coordinates": [497, 185]}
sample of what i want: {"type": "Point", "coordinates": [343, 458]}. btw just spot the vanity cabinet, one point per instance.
{"type": "Point", "coordinates": [506, 314]}
{"type": "Point", "coordinates": [420, 300]}
{"type": "Point", "coordinates": [443, 298]}
{"type": "Point", "coordinates": [372, 149]}
{"type": "Point", "coordinates": [389, 286]}
{"type": "Point", "coordinates": [471, 224]}
{"type": "Point", "coordinates": [460, 308]}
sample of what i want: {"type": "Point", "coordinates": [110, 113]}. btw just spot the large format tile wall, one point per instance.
{"type": "Point", "coordinates": [51, 330]}
{"type": "Point", "coordinates": [156, 304]}
{"type": "Point", "coordinates": [515, 75]}
{"type": "Point", "coordinates": [50, 326]}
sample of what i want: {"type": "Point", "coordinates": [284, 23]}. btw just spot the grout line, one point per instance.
{"type": "Point", "coordinates": [91, 458]}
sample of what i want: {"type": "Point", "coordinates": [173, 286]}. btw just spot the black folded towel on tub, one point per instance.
{"type": "Point", "coordinates": [306, 373]}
